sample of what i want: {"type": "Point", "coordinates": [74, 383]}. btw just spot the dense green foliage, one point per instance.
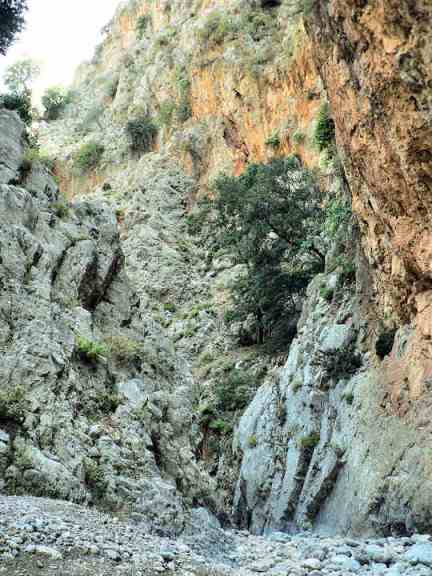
{"type": "Point", "coordinates": [324, 135]}
{"type": "Point", "coordinates": [54, 100]}
{"type": "Point", "coordinates": [142, 24]}
{"type": "Point", "coordinates": [21, 103]}
{"type": "Point", "coordinates": [141, 133]}
{"type": "Point", "coordinates": [269, 220]}
{"type": "Point", "coordinates": [88, 156]}
{"type": "Point", "coordinates": [11, 21]}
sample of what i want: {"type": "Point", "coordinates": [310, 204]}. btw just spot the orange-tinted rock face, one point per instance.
{"type": "Point", "coordinates": [281, 101]}
{"type": "Point", "coordinates": [375, 59]}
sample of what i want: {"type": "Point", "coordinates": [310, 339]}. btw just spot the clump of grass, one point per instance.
{"type": "Point", "coordinates": [90, 350]}
{"type": "Point", "coordinates": [123, 349]}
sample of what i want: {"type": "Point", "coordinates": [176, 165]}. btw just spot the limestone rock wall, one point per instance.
{"type": "Point", "coordinates": [229, 83]}
{"type": "Point", "coordinates": [375, 59]}
{"type": "Point", "coordinates": [319, 448]}
{"type": "Point", "coordinates": [95, 406]}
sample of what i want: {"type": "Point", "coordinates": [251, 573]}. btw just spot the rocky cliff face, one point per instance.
{"type": "Point", "coordinates": [338, 439]}
{"type": "Point", "coordinates": [94, 405]}
{"type": "Point", "coordinates": [355, 457]}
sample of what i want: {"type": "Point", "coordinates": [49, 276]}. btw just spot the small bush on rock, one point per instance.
{"type": "Point", "coordinates": [123, 348]}
{"type": "Point", "coordinates": [141, 133]}
{"type": "Point", "coordinates": [91, 350]}
{"type": "Point", "coordinates": [324, 135]}
{"type": "Point", "coordinates": [88, 156]}
{"type": "Point", "coordinates": [142, 25]}
{"type": "Point", "coordinates": [13, 403]}
{"type": "Point", "coordinates": [234, 390]}
{"type": "Point", "coordinates": [21, 103]}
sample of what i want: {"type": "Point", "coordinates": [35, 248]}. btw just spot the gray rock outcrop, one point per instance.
{"type": "Point", "coordinates": [94, 404]}
{"type": "Point", "coordinates": [321, 448]}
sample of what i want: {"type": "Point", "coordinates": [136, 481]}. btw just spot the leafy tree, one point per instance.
{"type": "Point", "coordinates": [19, 76]}
{"type": "Point", "coordinates": [54, 100]}
{"type": "Point", "coordinates": [11, 21]}
{"type": "Point", "coordinates": [269, 220]}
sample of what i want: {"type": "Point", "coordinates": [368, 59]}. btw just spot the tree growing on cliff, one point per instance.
{"type": "Point", "coordinates": [11, 21]}
{"type": "Point", "coordinates": [20, 75]}
{"type": "Point", "coordinates": [268, 220]}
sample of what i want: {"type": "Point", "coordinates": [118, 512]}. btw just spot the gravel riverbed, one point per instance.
{"type": "Point", "coordinates": [40, 537]}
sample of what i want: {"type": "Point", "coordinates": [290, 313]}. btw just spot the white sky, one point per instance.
{"type": "Point", "coordinates": [60, 34]}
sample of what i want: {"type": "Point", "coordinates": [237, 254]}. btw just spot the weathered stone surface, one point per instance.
{"type": "Point", "coordinates": [375, 61]}
{"type": "Point", "coordinates": [340, 464]}
{"type": "Point", "coordinates": [11, 146]}
{"type": "Point", "coordinates": [95, 404]}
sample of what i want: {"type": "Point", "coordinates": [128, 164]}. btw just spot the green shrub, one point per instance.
{"type": "Point", "coordinates": [220, 426]}
{"type": "Point", "coordinates": [12, 18]}
{"type": "Point", "coordinates": [20, 103]}
{"type": "Point", "coordinates": [88, 156]}
{"type": "Point", "coordinates": [298, 137]}
{"type": "Point", "coordinates": [142, 24]}
{"type": "Point", "coordinates": [169, 307]}
{"type": "Point", "coordinates": [13, 403]}
{"type": "Point", "coordinates": [55, 100]}
{"type": "Point", "coordinates": [184, 108]}
{"type": "Point", "coordinates": [94, 477]}
{"type": "Point", "coordinates": [184, 111]}
{"type": "Point", "coordinates": [61, 209]}
{"type": "Point", "coordinates": [324, 134]}
{"type": "Point", "coordinates": [256, 24]}
{"type": "Point", "coordinates": [141, 133]}
{"type": "Point", "coordinates": [108, 403]}
{"type": "Point", "coordinates": [338, 364]}
{"type": "Point", "coordinates": [346, 266]}
{"type": "Point", "coordinates": [280, 210]}
{"type": "Point", "coordinates": [273, 140]}
{"type": "Point", "coordinates": [35, 155]}
{"type": "Point", "coordinates": [338, 215]}
{"type": "Point", "coordinates": [326, 293]}
{"type": "Point", "coordinates": [206, 358]}
{"type": "Point", "coordinates": [124, 349]}
{"type": "Point", "coordinates": [91, 350]}
{"type": "Point", "coordinates": [252, 441]}
{"type": "Point", "coordinates": [234, 390]}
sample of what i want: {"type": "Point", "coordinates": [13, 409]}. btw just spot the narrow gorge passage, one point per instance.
{"type": "Point", "coordinates": [215, 294]}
